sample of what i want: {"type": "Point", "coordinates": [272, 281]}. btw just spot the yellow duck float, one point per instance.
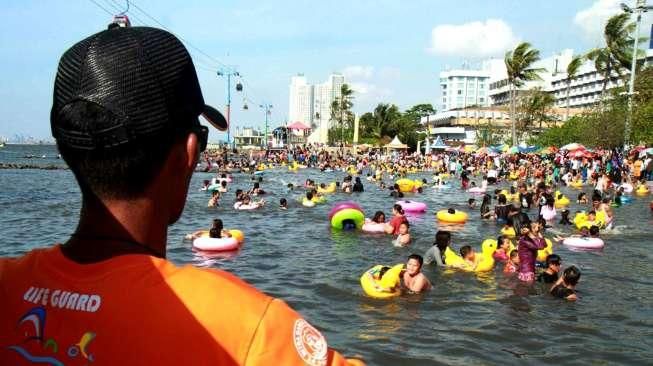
{"type": "Point", "coordinates": [382, 286]}
{"type": "Point", "coordinates": [561, 200]}
{"type": "Point", "coordinates": [328, 189]}
{"type": "Point", "coordinates": [484, 261]}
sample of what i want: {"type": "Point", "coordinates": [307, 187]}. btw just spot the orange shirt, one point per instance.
{"type": "Point", "coordinates": [141, 310]}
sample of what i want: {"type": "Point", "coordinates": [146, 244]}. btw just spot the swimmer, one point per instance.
{"type": "Point", "coordinates": [216, 231]}
{"type": "Point", "coordinates": [512, 265]}
{"type": "Point", "coordinates": [414, 281]}
{"type": "Point", "coordinates": [290, 186]}
{"type": "Point", "coordinates": [469, 256]}
{"type": "Point", "coordinates": [503, 247]}
{"type": "Point", "coordinates": [403, 238]}
{"type": "Point", "coordinates": [550, 275]}
{"type": "Point", "coordinates": [565, 287]}
{"type": "Point", "coordinates": [564, 219]}
{"type": "Point", "coordinates": [379, 217]}
{"type": "Point", "coordinates": [436, 252]}
{"type": "Point", "coordinates": [398, 217]}
{"type": "Point", "coordinates": [223, 187]}
{"type": "Point", "coordinates": [205, 185]}
{"type": "Point", "coordinates": [283, 204]}
{"type": "Point", "coordinates": [213, 201]}
{"type": "Point", "coordinates": [471, 203]}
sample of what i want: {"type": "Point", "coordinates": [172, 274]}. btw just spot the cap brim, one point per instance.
{"type": "Point", "coordinates": [215, 118]}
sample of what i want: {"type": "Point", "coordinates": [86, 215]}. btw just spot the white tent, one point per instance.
{"type": "Point", "coordinates": [396, 144]}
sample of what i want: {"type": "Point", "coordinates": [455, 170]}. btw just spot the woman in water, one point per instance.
{"type": "Point", "coordinates": [582, 198]}
{"type": "Point", "coordinates": [436, 252]}
{"type": "Point", "coordinates": [530, 241]}
{"type": "Point", "coordinates": [485, 207]}
{"type": "Point", "coordinates": [216, 231]}
{"type": "Point", "coordinates": [379, 217]}
{"type": "Point", "coordinates": [397, 218]}
{"type": "Point", "coordinates": [548, 210]}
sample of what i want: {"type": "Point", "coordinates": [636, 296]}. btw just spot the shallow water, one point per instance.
{"type": "Point", "coordinates": [465, 319]}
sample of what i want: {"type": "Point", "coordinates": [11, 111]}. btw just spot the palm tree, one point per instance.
{"type": "Point", "coordinates": [616, 55]}
{"type": "Point", "coordinates": [382, 120]}
{"type": "Point", "coordinates": [341, 109]}
{"type": "Point", "coordinates": [519, 67]}
{"type": "Point", "coordinates": [572, 69]}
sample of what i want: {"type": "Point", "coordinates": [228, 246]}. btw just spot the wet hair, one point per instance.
{"type": "Point", "coordinates": [594, 230]}
{"type": "Point", "coordinates": [223, 183]}
{"type": "Point", "coordinates": [397, 207]}
{"type": "Point", "coordinates": [519, 221]}
{"type": "Point", "coordinates": [239, 192]}
{"type": "Point", "coordinates": [309, 195]}
{"type": "Point", "coordinates": [464, 250]}
{"type": "Point", "coordinates": [451, 211]}
{"type": "Point", "coordinates": [216, 229]}
{"type": "Point", "coordinates": [322, 185]}
{"type": "Point", "coordinates": [552, 259]}
{"type": "Point", "coordinates": [283, 202]}
{"type": "Point", "coordinates": [442, 240]}
{"type": "Point", "coordinates": [223, 175]}
{"type": "Point", "coordinates": [470, 201]}
{"type": "Point", "coordinates": [500, 240]}
{"type": "Point", "coordinates": [383, 270]}
{"type": "Point", "coordinates": [581, 196]}
{"type": "Point", "coordinates": [377, 216]}
{"type": "Point", "coordinates": [256, 185]}
{"type": "Point", "coordinates": [417, 257]}
{"type": "Point", "coordinates": [571, 275]}
{"type": "Point", "coordinates": [502, 199]}
{"type": "Point", "coordinates": [564, 219]}
{"type": "Point", "coordinates": [290, 185]}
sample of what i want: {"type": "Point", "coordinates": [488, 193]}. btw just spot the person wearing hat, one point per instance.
{"type": "Point", "coordinates": [125, 117]}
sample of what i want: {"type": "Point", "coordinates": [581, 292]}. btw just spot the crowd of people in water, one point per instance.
{"type": "Point", "coordinates": [528, 203]}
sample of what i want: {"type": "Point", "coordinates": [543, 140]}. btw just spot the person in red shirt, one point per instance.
{"type": "Point", "coordinates": [125, 118]}
{"type": "Point", "coordinates": [392, 227]}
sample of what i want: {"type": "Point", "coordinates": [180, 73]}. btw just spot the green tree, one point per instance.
{"type": "Point", "coordinates": [535, 106]}
{"type": "Point", "coordinates": [519, 67]}
{"type": "Point", "coordinates": [616, 56]}
{"type": "Point", "coordinates": [379, 123]}
{"type": "Point", "coordinates": [341, 114]}
{"type": "Point", "coordinates": [572, 69]}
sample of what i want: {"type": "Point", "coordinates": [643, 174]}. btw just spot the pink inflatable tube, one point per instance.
{"type": "Point", "coordinates": [584, 243]}
{"type": "Point", "coordinates": [477, 190]}
{"type": "Point", "coordinates": [216, 244]}
{"type": "Point", "coordinates": [342, 205]}
{"type": "Point", "coordinates": [412, 206]}
{"type": "Point", "coordinates": [373, 227]}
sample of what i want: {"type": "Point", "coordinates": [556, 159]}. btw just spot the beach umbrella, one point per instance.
{"type": "Point", "coordinates": [573, 146]}
{"type": "Point", "coordinates": [580, 154]}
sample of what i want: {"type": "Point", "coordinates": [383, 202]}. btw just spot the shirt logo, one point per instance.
{"type": "Point", "coordinates": [310, 344]}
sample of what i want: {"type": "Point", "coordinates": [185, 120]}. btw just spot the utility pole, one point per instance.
{"type": "Point", "coordinates": [640, 7]}
{"type": "Point", "coordinates": [267, 107]}
{"type": "Point", "coordinates": [228, 72]}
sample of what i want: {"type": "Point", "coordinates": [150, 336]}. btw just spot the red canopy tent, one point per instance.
{"type": "Point", "coordinates": [298, 126]}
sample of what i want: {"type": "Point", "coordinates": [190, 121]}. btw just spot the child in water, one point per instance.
{"type": "Point", "coordinates": [503, 248]}
{"type": "Point", "coordinates": [550, 275]}
{"type": "Point", "coordinates": [403, 238]}
{"type": "Point", "coordinates": [512, 265]}
{"type": "Point", "coordinates": [565, 287]}
{"type": "Point", "coordinates": [564, 217]}
{"type": "Point", "coordinates": [283, 204]}
{"type": "Point", "coordinates": [469, 256]}
{"type": "Point", "coordinates": [213, 201]}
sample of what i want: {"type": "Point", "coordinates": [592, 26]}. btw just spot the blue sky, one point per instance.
{"type": "Point", "coordinates": [387, 49]}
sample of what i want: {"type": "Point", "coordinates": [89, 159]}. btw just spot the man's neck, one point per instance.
{"type": "Point", "coordinates": [116, 227]}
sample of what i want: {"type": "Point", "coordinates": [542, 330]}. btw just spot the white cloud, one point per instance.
{"type": "Point", "coordinates": [592, 20]}
{"type": "Point", "coordinates": [475, 39]}
{"type": "Point", "coordinates": [357, 71]}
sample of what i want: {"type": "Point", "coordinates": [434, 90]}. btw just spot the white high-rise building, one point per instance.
{"type": "Point", "coordinates": [311, 104]}
{"type": "Point", "coordinates": [300, 102]}
{"type": "Point", "coordinates": [463, 88]}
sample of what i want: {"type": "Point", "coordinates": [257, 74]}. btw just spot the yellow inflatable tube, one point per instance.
{"type": "Point", "coordinates": [384, 287]}
{"type": "Point", "coordinates": [508, 232]}
{"type": "Point", "coordinates": [405, 185]}
{"type": "Point", "coordinates": [484, 260]}
{"type": "Point", "coordinates": [642, 189]}
{"type": "Point", "coordinates": [328, 189]}
{"type": "Point", "coordinates": [543, 253]}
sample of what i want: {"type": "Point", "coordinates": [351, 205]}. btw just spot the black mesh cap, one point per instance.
{"type": "Point", "coordinates": [143, 80]}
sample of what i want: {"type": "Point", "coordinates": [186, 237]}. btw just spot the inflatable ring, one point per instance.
{"type": "Point", "coordinates": [318, 199]}
{"type": "Point", "coordinates": [459, 217]}
{"type": "Point", "coordinates": [509, 232]}
{"type": "Point", "coordinates": [405, 185]}
{"type": "Point", "coordinates": [308, 203]}
{"type": "Point", "coordinates": [216, 244]}
{"type": "Point", "coordinates": [373, 227]}
{"type": "Point", "coordinates": [412, 206]}
{"type": "Point", "coordinates": [543, 253]}
{"type": "Point", "coordinates": [643, 189]}
{"type": "Point", "coordinates": [484, 264]}
{"type": "Point", "coordinates": [576, 183]}
{"type": "Point", "coordinates": [476, 190]}
{"type": "Point", "coordinates": [342, 205]}
{"type": "Point", "coordinates": [352, 214]}
{"type": "Point", "coordinates": [385, 287]}
{"type": "Point", "coordinates": [628, 188]}
{"type": "Point", "coordinates": [584, 243]}
{"type": "Point", "coordinates": [328, 189]}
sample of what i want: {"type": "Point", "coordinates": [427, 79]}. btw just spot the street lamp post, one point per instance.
{"type": "Point", "coordinates": [640, 7]}
{"type": "Point", "coordinates": [228, 72]}
{"type": "Point", "coordinates": [267, 108]}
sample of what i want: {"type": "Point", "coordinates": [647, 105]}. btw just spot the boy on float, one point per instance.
{"type": "Point", "coordinates": [413, 280]}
